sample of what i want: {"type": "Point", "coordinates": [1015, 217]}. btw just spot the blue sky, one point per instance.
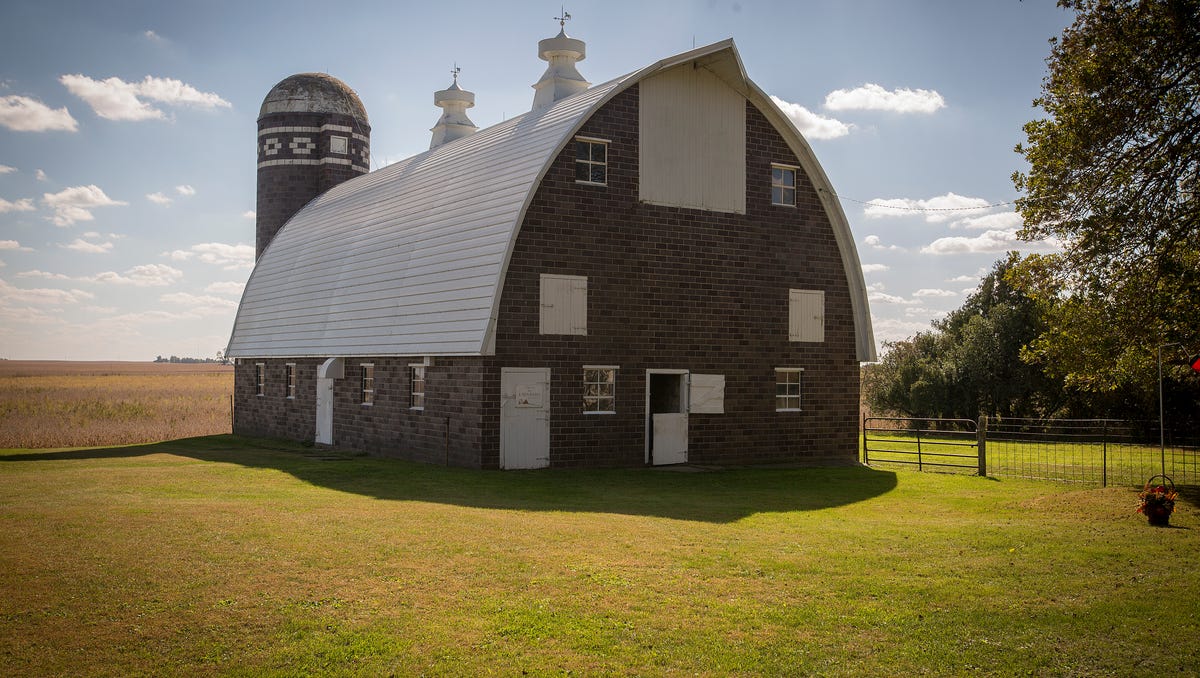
{"type": "Point", "coordinates": [127, 133]}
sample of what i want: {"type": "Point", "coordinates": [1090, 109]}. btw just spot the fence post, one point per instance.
{"type": "Point", "coordinates": [866, 454]}
{"type": "Point", "coordinates": [920, 464]}
{"type": "Point", "coordinates": [1104, 456]}
{"type": "Point", "coordinates": [981, 432]}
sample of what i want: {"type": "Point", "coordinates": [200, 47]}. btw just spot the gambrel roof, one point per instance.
{"type": "Point", "coordinates": [410, 259]}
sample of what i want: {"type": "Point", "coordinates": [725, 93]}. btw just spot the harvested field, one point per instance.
{"type": "Point", "coordinates": [73, 404]}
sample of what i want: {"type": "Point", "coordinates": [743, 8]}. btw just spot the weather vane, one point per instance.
{"type": "Point", "coordinates": [455, 71]}
{"type": "Point", "coordinates": [562, 20]}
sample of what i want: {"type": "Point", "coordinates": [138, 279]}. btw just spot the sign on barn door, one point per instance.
{"type": "Point", "coordinates": [524, 417]}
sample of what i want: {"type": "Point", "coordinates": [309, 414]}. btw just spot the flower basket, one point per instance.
{"type": "Point", "coordinates": [1158, 500]}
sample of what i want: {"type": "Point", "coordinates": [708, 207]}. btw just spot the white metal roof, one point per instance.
{"type": "Point", "coordinates": [410, 259]}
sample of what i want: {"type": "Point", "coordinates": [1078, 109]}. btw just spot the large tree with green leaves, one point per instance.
{"type": "Point", "coordinates": [1114, 177]}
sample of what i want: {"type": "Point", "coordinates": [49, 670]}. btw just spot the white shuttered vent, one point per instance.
{"type": "Point", "coordinates": [564, 304]}
{"type": "Point", "coordinates": [806, 315]}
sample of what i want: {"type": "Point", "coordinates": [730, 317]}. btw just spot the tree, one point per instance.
{"type": "Point", "coordinates": [970, 362]}
{"type": "Point", "coordinates": [1114, 173]}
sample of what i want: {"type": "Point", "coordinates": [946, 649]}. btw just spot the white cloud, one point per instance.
{"type": "Point", "coordinates": [872, 97]}
{"type": "Point", "coordinates": [115, 99]}
{"type": "Point", "coordinates": [158, 198]}
{"type": "Point", "coordinates": [891, 329]}
{"type": "Point", "coordinates": [13, 245]}
{"type": "Point", "coordinates": [937, 209]}
{"type": "Point", "coordinates": [153, 37]}
{"type": "Point", "coordinates": [21, 205]}
{"type": "Point", "coordinates": [75, 204]}
{"type": "Point", "coordinates": [231, 257]}
{"type": "Point", "coordinates": [810, 124]}
{"type": "Point", "coordinates": [988, 242]}
{"type": "Point", "coordinates": [249, 214]}
{"type": "Point", "coordinates": [81, 245]}
{"type": "Point", "coordinates": [40, 175]}
{"type": "Point", "coordinates": [875, 268]}
{"type": "Point", "coordinates": [928, 292]}
{"type": "Point", "coordinates": [1002, 221]}
{"type": "Point", "coordinates": [5, 169]}
{"type": "Point", "coordinates": [185, 190]}
{"type": "Point", "coordinates": [963, 279]}
{"type": "Point", "coordinates": [875, 292]}
{"type": "Point", "coordinates": [874, 242]}
{"type": "Point", "coordinates": [234, 288]}
{"type": "Point", "coordinates": [22, 114]}
{"type": "Point", "coordinates": [41, 296]}
{"type": "Point", "coordinates": [199, 304]}
{"type": "Point", "coordinates": [145, 275]}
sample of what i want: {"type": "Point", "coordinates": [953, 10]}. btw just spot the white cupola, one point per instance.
{"type": "Point", "coordinates": [560, 80]}
{"type": "Point", "coordinates": [454, 123]}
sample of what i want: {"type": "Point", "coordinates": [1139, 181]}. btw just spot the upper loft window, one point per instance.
{"type": "Point", "coordinates": [783, 185]}
{"type": "Point", "coordinates": [591, 161]}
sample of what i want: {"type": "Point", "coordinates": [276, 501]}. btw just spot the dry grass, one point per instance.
{"type": "Point", "coordinates": [74, 404]}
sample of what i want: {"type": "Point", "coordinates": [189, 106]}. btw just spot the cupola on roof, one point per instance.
{"type": "Point", "coordinates": [313, 93]}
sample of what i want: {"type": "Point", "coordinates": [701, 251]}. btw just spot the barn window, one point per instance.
{"type": "Point", "coordinates": [787, 388]}
{"type": "Point", "coordinates": [591, 161]}
{"type": "Point", "coordinates": [783, 185]}
{"type": "Point", "coordinates": [368, 384]}
{"type": "Point", "coordinates": [417, 388]}
{"type": "Point", "coordinates": [260, 379]}
{"type": "Point", "coordinates": [806, 315]}
{"type": "Point", "coordinates": [563, 304]}
{"type": "Point", "coordinates": [599, 389]}
{"type": "Point", "coordinates": [291, 380]}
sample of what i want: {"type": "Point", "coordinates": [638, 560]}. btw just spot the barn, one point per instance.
{"type": "Point", "coordinates": [653, 270]}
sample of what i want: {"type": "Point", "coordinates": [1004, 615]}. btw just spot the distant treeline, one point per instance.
{"type": "Point", "coordinates": [177, 359]}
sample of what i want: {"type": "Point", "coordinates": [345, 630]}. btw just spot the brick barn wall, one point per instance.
{"type": "Point", "coordinates": [273, 414]}
{"type": "Point", "coordinates": [684, 289]}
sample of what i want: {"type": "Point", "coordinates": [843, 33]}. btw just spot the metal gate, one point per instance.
{"type": "Point", "coordinates": [933, 444]}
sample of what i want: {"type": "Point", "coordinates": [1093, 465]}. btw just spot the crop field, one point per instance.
{"type": "Point", "coordinates": [229, 556]}
{"type": "Point", "coordinates": [72, 404]}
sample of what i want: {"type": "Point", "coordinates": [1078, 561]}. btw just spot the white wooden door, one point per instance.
{"type": "Point", "coordinates": [524, 417]}
{"type": "Point", "coordinates": [324, 411]}
{"type": "Point", "coordinates": [670, 438]}
{"type": "Point", "coordinates": [667, 416]}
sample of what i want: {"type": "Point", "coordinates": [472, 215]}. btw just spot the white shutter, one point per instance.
{"type": "Point", "coordinates": [806, 315]}
{"type": "Point", "coordinates": [563, 301]}
{"type": "Point", "coordinates": [707, 395]}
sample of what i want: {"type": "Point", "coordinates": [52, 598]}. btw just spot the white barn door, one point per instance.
{"type": "Point", "coordinates": [667, 416]}
{"type": "Point", "coordinates": [524, 417]}
{"type": "Point", "coordinates": [328, 371]}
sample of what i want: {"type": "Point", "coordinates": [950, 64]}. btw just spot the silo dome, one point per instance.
{"type": "Point", "coordinates": [313, 93]}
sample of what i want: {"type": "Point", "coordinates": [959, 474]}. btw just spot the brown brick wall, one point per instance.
{"type": "Point", "coordinates": [684, 289]}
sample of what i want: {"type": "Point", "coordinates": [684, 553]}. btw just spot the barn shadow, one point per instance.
{"type": "Point", "coordinates": [718, 497]}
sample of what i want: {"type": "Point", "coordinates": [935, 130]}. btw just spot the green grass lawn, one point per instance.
{"type": "Point", "coordinates": [222, 555]}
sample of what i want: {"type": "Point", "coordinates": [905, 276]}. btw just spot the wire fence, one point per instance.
{"type": "Point", "coordinates": [1097, 452]}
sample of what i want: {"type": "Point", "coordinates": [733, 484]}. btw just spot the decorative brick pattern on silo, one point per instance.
{"type": "Point", "coordinates": [313, 134]}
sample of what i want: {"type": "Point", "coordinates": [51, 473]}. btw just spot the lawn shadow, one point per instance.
{"type": "Point", "coordinates": [717, 496]}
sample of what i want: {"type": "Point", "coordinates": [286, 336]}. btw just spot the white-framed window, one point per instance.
{"type": "Point", "coordinates": [368, 383]}
{"type": "Point", "coordinates": [260, 379]}
{"type": "Point", "coordinates": [290, 374]}
{"type": "Point", "coordinates": [783, 185]}
{"type": "Point", "coordinates": [600, 389]}
{"type": "Point", "coordinates": [416, 390]}
{"type": "Point", "coordinates": [591, 161]}
{"type": "Point", "coordinates": [563, 304]}
{"type": "Point", "coordinates": [806, 315]}
{"type": "Point", "coordinates": [788, 381]}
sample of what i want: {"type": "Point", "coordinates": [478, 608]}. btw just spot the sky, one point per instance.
{"type": "Point", "coordinates": [128, 132]}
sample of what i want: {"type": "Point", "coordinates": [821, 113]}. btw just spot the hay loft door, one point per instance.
{"type": "Point", "coordinates": [666, 416]}
{"type": "Point", "coordinates": [524, 417]}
